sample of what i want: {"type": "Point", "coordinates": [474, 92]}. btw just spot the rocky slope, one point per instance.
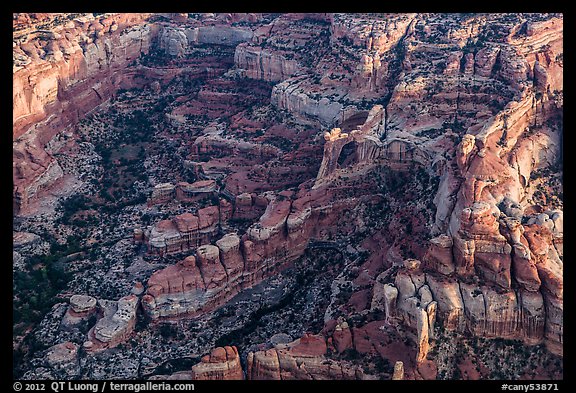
{"type": "Point", "coordinates": [63, 68]}
{"type": "Point", "coordinates": [65, 65]}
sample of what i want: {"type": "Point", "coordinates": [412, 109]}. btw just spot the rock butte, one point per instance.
{"type": "Point", "coordinates": [400, 96]}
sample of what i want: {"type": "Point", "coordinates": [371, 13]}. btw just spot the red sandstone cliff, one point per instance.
{"type": "Point", "coordinates": [64, 66]}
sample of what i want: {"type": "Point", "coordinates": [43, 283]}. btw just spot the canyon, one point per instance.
{"type": "Point", "coordinates": [288, 196]}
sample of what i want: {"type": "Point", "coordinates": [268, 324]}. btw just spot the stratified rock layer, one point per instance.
{"type": "Point", "coordinates": [303, 358]}
{"type": "Point", "coordinates": [223, 363]}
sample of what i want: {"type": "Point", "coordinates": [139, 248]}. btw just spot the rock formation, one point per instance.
{"type": "Point", "coordinates": [223, 363]}
{"type": "Point", "coordinates": [249, 206]}
{"type": "Point", "coordinates": [60, 75]}
{"type": "Point", "coordinates": [366, 139]}
{"type": "Point", "coordinates": [175, 41]}
{"type": "Point", "coordinates": [183, 232]}
{"type": "Point", "coordinates": [301, 359]}
{"type": "Point", "coordinates": [184, 288]}
{"type": "Point", "coordinates": [410, 300]}
{"type": "Point", "coordinates": [183, 192]}
{"type": "Point", "coordinates": [281, 49]}
{"type": "Point", "coordinates": [492, 243]}
{"type": "Point", "coordinates": [342, 337]}
{"type": "Point", "coordinates": [257, 63]}
{"type": "Point", "coordinates": [81, 308]}
{"type": "Point", "coordinates": [63, 360]}
{"type": "Point", "coordinates": [115, 324]}
{"type": "Point", "coordinates": [291, 95]}
{"type": "Point", "coordinates": [398, 371]}
{"type": "Point", "coordinates": [219, 272]}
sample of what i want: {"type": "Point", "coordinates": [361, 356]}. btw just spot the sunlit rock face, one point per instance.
{"type": "Point", "coordinates": [64, 66]}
